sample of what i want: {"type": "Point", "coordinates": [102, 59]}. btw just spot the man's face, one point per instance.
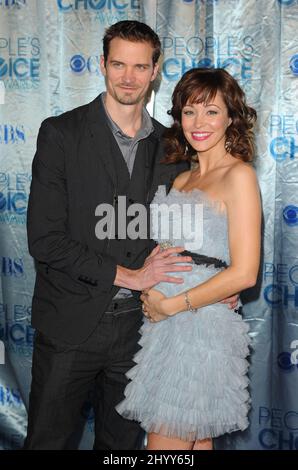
{"type": "Point", "coordinates": [129, 70]}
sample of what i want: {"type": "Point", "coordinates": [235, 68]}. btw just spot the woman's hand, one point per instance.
{"type": "Point", "coordinates": [153, 305]}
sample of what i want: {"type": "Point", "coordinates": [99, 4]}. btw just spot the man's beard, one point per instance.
{"type": "Point", "coordinates": [128, 99]}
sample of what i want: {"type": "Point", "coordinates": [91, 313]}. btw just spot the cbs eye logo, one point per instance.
{"type": "Point", "coordinates": [294, 65]}
{"type": "Point", "coordinates": [77, 63]}
{"type": "Point", "coordinates": [290, 215]}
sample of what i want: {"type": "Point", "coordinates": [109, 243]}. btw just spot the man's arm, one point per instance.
{"type": "Point", "coordinates": [50, 243]}
{"type": "Point", "coordinates": [48, 209]}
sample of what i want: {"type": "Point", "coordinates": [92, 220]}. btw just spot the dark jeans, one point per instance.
{"type": "Point", "coordinates": [63, 374]}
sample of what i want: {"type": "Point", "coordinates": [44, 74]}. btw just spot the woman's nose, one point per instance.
{"type": "Point", "coordinates": [199, 120]}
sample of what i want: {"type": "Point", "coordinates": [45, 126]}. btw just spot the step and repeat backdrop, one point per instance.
{"type": "Point", "coordinates": [49, 63]}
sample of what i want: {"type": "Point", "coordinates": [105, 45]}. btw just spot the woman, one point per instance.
{"type": "Point", "coordinates": [189, 383]}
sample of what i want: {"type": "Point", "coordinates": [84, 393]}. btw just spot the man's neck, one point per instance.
{"type": "Point", "coordinates": [127, 117]}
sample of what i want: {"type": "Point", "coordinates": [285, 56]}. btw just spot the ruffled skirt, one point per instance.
{"type": "Point", "coordinates": [189, 381]}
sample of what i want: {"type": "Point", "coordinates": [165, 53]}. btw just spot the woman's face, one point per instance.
{"type": "Point", "coordinates": [204, 125]}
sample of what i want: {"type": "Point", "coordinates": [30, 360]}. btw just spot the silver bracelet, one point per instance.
{"type": "Point", "coordinates": [190, 308]}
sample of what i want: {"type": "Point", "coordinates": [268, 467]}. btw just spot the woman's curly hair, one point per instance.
{"type": "Point", "coordinates": [200, 85]}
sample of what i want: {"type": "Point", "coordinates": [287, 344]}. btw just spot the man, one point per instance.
{"type": "Point", "coordinates": [85, 308]}
{"type": "Point", "coordinates": [85, 330]}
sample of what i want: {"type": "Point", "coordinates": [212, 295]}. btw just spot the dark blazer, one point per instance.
{"type": "Point", "coordinates": [72, 173]}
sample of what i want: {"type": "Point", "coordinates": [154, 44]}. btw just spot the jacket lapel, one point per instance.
{"type": "Point", "coordinates": [100, 143]}
{"type": "Point", "coordinates": [151, 162]}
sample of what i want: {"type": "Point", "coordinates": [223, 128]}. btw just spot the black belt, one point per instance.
{"type": "Point", "coordinates": [203, 259]}
{"type": "Point", "coordinates": [121, 303]}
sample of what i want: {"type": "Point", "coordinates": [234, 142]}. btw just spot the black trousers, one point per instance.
{"type": "Point", "coordinates": [63, 375]}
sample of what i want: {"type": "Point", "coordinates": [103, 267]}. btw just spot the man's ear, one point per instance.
{"type": "Point", "coordinates": [155, 72]}
{"type": "Point", "coordinates": [102, 65]}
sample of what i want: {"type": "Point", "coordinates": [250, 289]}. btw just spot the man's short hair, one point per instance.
{"type": "Point", "coordinates": [134, 31]}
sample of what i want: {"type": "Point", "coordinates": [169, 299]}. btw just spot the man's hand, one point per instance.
{"type": "Point", "coordinates": [158, 264]}
{"type": "Point", "coordinates": [232, 301]}
{"type": "Point", "coordinates": [155, 269]}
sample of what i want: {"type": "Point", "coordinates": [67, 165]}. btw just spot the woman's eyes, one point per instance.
{"type": "Point", "coordinates": [210, 112]}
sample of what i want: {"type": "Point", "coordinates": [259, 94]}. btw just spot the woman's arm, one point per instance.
{"type": "Point", "coordinates": [242, 199]}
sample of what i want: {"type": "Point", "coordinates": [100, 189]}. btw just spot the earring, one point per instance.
{"type": "Point", "coordinates": [228, 145]}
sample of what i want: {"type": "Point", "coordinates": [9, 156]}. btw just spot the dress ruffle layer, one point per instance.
{"type": "Point", "coordinates": [189, 381]}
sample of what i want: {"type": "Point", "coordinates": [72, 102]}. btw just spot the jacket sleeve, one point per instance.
{"type": "Point", "coordinates": [48, 238]}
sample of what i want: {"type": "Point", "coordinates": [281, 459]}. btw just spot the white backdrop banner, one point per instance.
{"type": "Point", "coordinates": [49, 63]}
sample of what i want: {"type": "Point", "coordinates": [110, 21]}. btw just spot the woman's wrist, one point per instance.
{"type": "Point", "coordinates": [173, 305]}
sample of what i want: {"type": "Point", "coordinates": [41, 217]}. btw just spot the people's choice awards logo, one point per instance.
{"type": "Point", "coordinates": [20, 62]}
{"type": "Point", "coordinates": [96, 5]}
{"type": "Point", "coordinates": [281, 285]}
{"type": "Point", "coordinates": [278, 428]}
{"type": "Point", "coordinates": [233, 53]}
{"type": "Point", "coordinates": [14, 193]}
{"type": "Point", "coordinates": [283, 130]}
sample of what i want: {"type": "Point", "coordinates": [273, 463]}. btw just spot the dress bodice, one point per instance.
{"type": "Point", "coordinates": [190, 219]}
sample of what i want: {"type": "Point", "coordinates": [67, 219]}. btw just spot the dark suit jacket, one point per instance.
{"type": "Point", "coordinates": [72, 173]}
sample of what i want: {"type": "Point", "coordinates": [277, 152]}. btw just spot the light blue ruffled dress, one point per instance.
{"type": "Point", "coordinates": [190, 381]}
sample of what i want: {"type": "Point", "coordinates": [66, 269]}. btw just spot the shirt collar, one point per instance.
{"type": "Point", "coordinates": [145, 130]}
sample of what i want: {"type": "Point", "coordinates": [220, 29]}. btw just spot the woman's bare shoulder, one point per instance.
{"type": "Point", "coordinates": [241, 184]}
{"type": "Point", "coordinates": [240, 172]}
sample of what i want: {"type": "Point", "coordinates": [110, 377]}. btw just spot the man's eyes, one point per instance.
{"type": "Point", "coordinates": [119, 65]}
